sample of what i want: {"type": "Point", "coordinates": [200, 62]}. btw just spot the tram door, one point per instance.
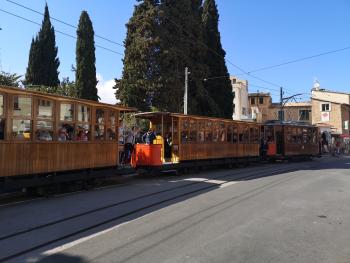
{"type": "Point", "coordinates": [279, 141]}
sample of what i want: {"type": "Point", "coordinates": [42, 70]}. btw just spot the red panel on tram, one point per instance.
{"type": "Point", "coordinates": [147, 155]}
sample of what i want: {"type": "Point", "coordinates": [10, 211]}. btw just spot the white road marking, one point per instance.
{"type": "Point", "coordinates": [196, 179]}
{"type": "Point", "coordinates": [228, 184]}
{"type": "Point", "coordinates": [84, 239]}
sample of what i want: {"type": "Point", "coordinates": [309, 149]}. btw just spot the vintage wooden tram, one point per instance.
{"type": "Point", "coordinates": [288, 140]}
{"type": "Point", "coordinates": [47, 139]}
{"type": "Point", "coordinates": [43, 134]}
{"type": "Point", "coordinates": [198, 140]}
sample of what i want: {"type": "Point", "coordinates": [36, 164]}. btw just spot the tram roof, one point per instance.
{"type": "Point", "coordinates": [290, 123]}
{"type": "Point", "coordinates": [14, 90]}
{"type": "Point", "coordinates": [159, 114]}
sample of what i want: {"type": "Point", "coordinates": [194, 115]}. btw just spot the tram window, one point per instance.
{"type": "Point", "coordinates": [22, 106]}
{"type": "Point", "coordinates": [44, 131]}
{"type": "Point", "coordinates": [240, 138]}
{"type": "Point", "coordinates": [201, 137]}
{"type": "Point", "coordinates": [201, 131]}
{"type": "Point", "coordinates": [216, 132]}
{"type": "Point", "coordinates": [246, 135]}
{"type": "Point", "coordinates": [100, 125]}
{"type": "Point", "coordinates": [185, 124]}
{"type": "Point", "coordinates": [66, 112]}
{"type": "Point", "coordinates": [44, 110]}
{"type": "Point", "coordinates": [314, 135]}
{"type": "Point", "coordinates": [65, 132]}
{"type": "Point", "coordinates": [235, 135]}
{"type": "Point", "coordinates": [254, 135]}
{"type": "Point", "coordinates": [193, 136]}
{"type": "Point", "coordinates": [111, 131]}
{"type": "Point", "coordinates": [288, 132]}
{"type": "Point", "coordinates": [269, 133]}
{"type": "Point", "coordinates": [305, 136]}
{"type": "Point", "coordinates": [184, 137]}
{"type": "Point", "coordinates": [21, 129]}
{"type": "Point", "coordinates": [82, 132]}
{"type": "Point", "coordinates": [193, 131]}
{"type": "Point", "coordinates": [1, 105]}
{"type": "Point", "coordinates": [209, 132]}
{"type": "Point", "coordinates": [2, 129]}
{"type": "Point", "coordinates": [83, 113]}
{"type": "Point", "coordinates": [229, 133]}
{"type": "Point", "coordinates": [176, 134]}
{"type": "Point", "coordinates": [222, 132]}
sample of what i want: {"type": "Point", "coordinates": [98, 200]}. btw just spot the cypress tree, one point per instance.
{"type": "Point", "coordinates": [140, 77]}
{"type": "Point", "coordinates": [85, 73]}
{"type": "Point", "coordinates": [43, 62]}
{"type": "Point", "coordinates": [182, 46]}
{"type": "Point", "coordinates": [219, 89]}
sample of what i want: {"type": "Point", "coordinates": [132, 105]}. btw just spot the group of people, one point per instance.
{"type": "Point", "coordinates": [134, 136]}
{"type": "Point", "coordinates": [330, 145]}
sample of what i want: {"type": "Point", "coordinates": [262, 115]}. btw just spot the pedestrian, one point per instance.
{"type": "Point", "coordinates": [167, 146]}
{"type": "Point", "coordinates": [148, 137]}
{"type": "Point", "coordinates": [129, 146]}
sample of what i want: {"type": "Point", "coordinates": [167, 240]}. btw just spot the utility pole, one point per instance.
{"type": "Point", "coordinates": [186, 90]}
{"type": "Point", "coordinates": [281, 117]}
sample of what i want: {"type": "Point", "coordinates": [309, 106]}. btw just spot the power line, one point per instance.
{"type": "Point", "coordinates": [231, 63]}
{"type": "Point", "coordinates": [62, 22]}
{"type": "Point", "coordinates": [300, 59]}
{"type": "Point", "coordinates": [58, 31]}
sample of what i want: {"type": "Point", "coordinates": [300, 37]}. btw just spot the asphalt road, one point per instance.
{"type": "Point", "coordinates": [290, 212]}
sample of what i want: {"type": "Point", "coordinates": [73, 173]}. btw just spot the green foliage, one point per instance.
{"type": "Point", "coordinates": [43, 62]}
{"type": "Point", "coordinates": [140, 78]}
{"type": "Point", "coordinates": [219, 89]}
{"type": "Point", "coordinates": [182, 46]}
{"type": "Point", "coordinates": [66, 88]}
{"type": "Point", "coordinates": [9, 79]}
{"type": "Point", "coordinates": [162, 39]}
{"type": "Point", "coordinates": [85, 71]}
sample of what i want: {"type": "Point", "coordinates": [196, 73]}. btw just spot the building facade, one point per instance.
{"type": "Point", "coordinates": [241, 110]}
{"type": "Point", "coordinates": [331, 111]}
{"type": "Point", "coordinates": [263, 109]}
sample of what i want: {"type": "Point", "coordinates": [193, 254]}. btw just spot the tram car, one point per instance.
{"type": "Point", "coordinates": [43, 134]}
{"type": "Point", "coordinates": [187, 140]}
{"type": "Point", "coordinates": [288, 140]}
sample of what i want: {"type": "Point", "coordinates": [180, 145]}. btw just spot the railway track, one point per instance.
{"type": "Point", "coordinates": [203, 185]}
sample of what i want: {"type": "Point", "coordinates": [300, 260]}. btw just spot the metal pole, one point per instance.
{"type": "Point", "coordinates": [186, 91]}
{"type": "Point", "coordinates": [281, 104]}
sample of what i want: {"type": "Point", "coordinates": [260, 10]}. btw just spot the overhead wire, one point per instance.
{"type": "Point", "coordinates": [300, 59]}
{"type": "Point", "coordinates": [231, 63]}
{"type": "Point", "coordinates": [62, 22]}
{"type": "Point", "coordinates": [58, 31]}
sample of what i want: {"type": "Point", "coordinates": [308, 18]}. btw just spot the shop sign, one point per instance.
{"type": "Point", "coordinates": [324, 116]}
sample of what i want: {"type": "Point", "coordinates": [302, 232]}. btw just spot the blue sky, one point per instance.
{"type": "Point", "coordinates": [254, 34]}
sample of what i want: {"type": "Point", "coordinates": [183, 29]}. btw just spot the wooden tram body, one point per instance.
{"type": "Point", "coordinates": [198, 139]}
{"type": "Point", "coordinates": [42, 134]}
{"type": "Point", "coordinates": [291, 139]}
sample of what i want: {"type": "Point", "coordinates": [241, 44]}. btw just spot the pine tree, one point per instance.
{"type": "Point", "coordinates": [220, 88]}
{"type": "Point", "coordinates": [85, 58]}
{"type": "Point", "coordinates": [140, 78]}
{"type": "Point", "coordinates": [43, 62]}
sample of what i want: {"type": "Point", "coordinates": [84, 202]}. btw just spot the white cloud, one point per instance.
{"type": "Point", "coordinates": [105, 90]}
